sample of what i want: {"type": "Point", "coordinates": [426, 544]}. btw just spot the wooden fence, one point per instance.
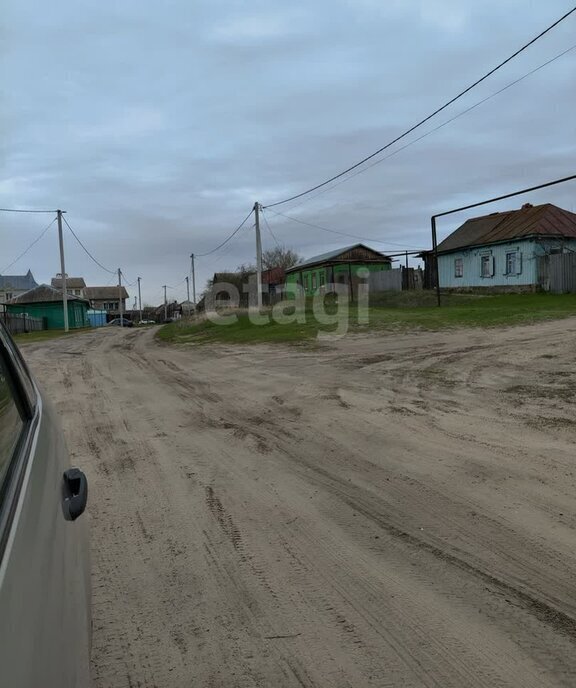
{"type": "Point", "coordinates": [20, 322]}
{"type": "Point", "coordinates": [557, 273]}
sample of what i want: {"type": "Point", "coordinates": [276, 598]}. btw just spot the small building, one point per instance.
{"type": "Point", "coordinates": [107, 299]}
{"type": "Point", "coordinates": [74, 285]}
{"type": "Point", "coordinates": [504, 251]}
{"type": "Point", "coordinates": [14, 285]}
{"type": "Point", "coordinates": [46, 302]}
{"type": "Point", "coordinates": [273, 280]}
{"type": "Point", "coordinates": [337, 267]}
{"type": "Point", "coordinates": [96, 318]}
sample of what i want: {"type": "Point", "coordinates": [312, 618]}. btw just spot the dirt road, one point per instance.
{"type": "Point", "coordinates": [386, 511]}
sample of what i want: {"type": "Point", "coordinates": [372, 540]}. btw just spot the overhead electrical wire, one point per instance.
{"type": "Point", "coordinates": [244, 221]}
{"type": "Point", "coordinates": [428, 117]}
{"type": "Point", "coordinates": [17, 210]}
{"type": "Point", "coordinates": [335, 231]}
{"type": "Point", "coordinates": [86, 250]}
{"type": "Point", "coordinates": [436, 128]}
{"type": "Point", "coordinates": [270, 230]}
{"type": "Point", "coordinates": [42, 233]}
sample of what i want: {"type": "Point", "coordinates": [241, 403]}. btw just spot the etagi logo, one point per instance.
{"type": "Point", "coordinates": [329, 307]}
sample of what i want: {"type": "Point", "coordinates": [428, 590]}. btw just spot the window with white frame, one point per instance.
{"type": "Point", "coordinates": [458, 267]}
{"type": "Point", "coordinates": [513, 263]}
{"type": "Point", "coordinates": [486, 265]}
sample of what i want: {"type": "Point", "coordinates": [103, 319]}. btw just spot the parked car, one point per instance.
{"type": "Point", "coordinates": [45, 615]}
{"type": "Point", "coordinates": [147, 322]}
{"type": "Point", "coordinates": [121, 321]}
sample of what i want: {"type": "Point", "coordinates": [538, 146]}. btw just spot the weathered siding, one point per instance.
{"type": "Point", "coordinates": [314, 277]}
{"type": "Point", "coordinates": [471, 266]}
{"type": "Point", "coordinates": [54, 313]}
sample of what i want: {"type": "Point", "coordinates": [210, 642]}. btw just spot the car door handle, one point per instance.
{"type": "Point", "coordinates": [75, 493]}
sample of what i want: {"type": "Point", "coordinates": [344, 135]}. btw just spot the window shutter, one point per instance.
{"type": "Point", "coordinates": [518, 263]}
{"type": "Point", "coordinates": [492, 264]}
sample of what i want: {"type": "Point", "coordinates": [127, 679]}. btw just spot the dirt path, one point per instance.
{"type": "Point", "coordinates": [394, 511]}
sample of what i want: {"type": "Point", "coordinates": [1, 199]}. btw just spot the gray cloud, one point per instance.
{"type": "Point", "coordinates": [158, 126]}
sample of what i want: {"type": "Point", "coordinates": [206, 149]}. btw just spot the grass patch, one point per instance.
{"type": "Point", "coordinates": [43, 335]}
{"type": "Point", "coordinates": [406, 311]}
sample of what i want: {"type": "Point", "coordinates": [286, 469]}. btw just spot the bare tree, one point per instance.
{"type": "Point", "coordinates": [280, 257]}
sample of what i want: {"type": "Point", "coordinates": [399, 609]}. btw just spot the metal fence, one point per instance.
{"type": "Point", "coordinates": [557, 273]}
{"type": "Point", "coordinates": [20, 322]}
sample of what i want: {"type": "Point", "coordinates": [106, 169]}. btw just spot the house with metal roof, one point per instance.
{"type": "Point", "coordinates": [74, 285]}
{"type": "Point", "coordinates": [340, 266]}
{"type": "Point", "coordinates": [14, 285]}
{"type": "Point", "coordinates": [107, 299]}
{"type": "Point", "coordinates": [501, 251]}
{"type": "Point", "coordinates": [46, 302]}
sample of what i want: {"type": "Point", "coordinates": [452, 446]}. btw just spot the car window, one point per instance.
{"type": "Point", "coordinates": [11, 423]}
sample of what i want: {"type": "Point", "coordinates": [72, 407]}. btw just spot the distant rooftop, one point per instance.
{"type": "Point", "coordinates": [18, 282]}
{"type": "Point", "coordinates": [339, 254]}
{"type": "Point", "coordinates": [71, 282]}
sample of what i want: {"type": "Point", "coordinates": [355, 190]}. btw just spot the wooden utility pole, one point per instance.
{"type": "Point", "coordinates": [139, 298]}
{"type": "Point", "coordinates": [258, 254]}
{"type": "Point", "coordinates": [188, 290]}
{"type": "Point", "coordinates": [193, 280]}
{"type": "Point", "coordinates": [63, 270]}
{"type": "Point", "coordinates": [121, 309]}
{"type": "Point", "coordinates": [165, 304]}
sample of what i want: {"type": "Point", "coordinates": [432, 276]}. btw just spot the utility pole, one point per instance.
{"type": "Point", "coordinates": [258, 253]}
{"type": "Point", "coordinates": [139, 298]}
{"type": "Point", "coordinates": [188, 290]}
{"type": "Point", "coordinates": [63, 270]}
{"type": "Point", "coordinates": [193, 281]}
{"type": "Point", "coordinates": [165, 305]}
{"type": "Point", "coordinates": [120, 298]}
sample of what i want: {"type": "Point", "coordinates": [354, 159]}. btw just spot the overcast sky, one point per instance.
{"type": "Point", "coordinates": [157, 125]}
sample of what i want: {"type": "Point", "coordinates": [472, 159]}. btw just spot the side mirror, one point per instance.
{"type": "Point", "coordinates": [75, 493]}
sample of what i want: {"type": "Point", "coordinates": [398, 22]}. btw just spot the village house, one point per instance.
{"type": "Point", "coordinates": [504, 251]}
{"type": "Point", "coordinates": [107, 299]}
{"type": "Point", "coordinates": [14, 285]}
{"type": "Point", "coordinates": [46, 302]}
{"type": "Point", "coordinates": [74, 285]}
{"type": "Point", "coordinates": [337, 267]}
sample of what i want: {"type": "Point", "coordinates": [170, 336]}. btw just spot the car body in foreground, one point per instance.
{"type": "Point", "coordinates": [120, 322]}
{"type": "Point", "coordinates": [44, 559]}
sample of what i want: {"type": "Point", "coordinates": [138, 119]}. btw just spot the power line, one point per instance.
{"type": "Point", "coordinates": [201, 255]}
{"type": "Point", "coordinates": [270, 230]}
{"type": "Point", "coordinates": [334, 231]}
{"type": "Point", "coordinates": [16, 210]}
{"type": "Point", "coordinates": [86, 250]}
{"type": "Point", "coordinates": [42, 233]}
{"type": "Point", "coordinates": [428, 117]}
{"type": "Point", "coordinates": [128, 282]}
{"type": "Point", "coordinates": [176, 285]}
{"type": "Point", "coordinates": [440, 126]}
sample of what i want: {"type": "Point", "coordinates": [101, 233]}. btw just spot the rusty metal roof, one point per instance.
{"type": "Point", "coordinates": [538, 220]}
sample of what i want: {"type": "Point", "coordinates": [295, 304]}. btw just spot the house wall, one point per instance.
{"type": "Point", "coordinates": [54, 313]}
{"type": "Point", "coordinates": [527, 250]}
{"type": "Point", "coordinates": [321, 275]}
{"type": "Point", "coordinates": [102, 304]}
{"type": "Point", "coordinates": [7, 293]}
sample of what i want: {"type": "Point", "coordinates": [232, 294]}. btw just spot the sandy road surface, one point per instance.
{"type": "Point", "coordinates": [391, 511]}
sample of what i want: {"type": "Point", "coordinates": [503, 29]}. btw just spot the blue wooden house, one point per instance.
{"type": "Point", "coordinates": [501, 251]}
